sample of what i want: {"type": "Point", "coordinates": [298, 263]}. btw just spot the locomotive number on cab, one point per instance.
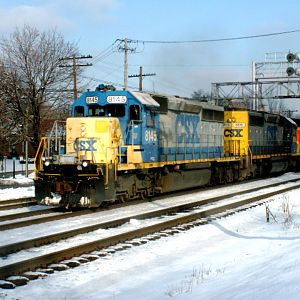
{"type": "Point", "coordinates": [150, 136]}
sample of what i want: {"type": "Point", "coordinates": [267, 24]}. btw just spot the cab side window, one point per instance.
{"type": "Point", "coordinates": [134, 113]}
{"type": "Point", "coordinates": [150, 119]}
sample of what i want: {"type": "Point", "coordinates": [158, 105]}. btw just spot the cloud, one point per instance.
{"type": "Point", "coordinates": [40, 17]}
{"type": "Point", "coordinates": [95, 11]}
{"type": "Point", "coordinates": [90, 5]}
{"type": "Point", "coordinates": [64, 15]}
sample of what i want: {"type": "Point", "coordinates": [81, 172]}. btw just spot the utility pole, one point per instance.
{"type": "Point", "coordinates": [74, 66]}
{"type": "Point", "coordinates": [141, 75]}
{"type": "Point", "coordinates": [125, 64]}
{"type": "Point", "coordinates": [125, 48]}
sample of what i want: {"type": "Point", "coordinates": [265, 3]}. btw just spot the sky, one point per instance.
{"type": "Point", "coordinates": [256, 260]}
{"type": "Point", "coordinates": [180, 68]}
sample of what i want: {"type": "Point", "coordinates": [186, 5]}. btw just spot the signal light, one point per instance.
{"type": "Point", "coordinates": [291, 71]}
{"type": "Point", "coordinates": [293, 56]}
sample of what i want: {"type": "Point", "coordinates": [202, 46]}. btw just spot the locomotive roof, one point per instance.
{"type": "Point", "coordinates": [167, 102]}
{"type": "Point", "coordinates": [145, 99]}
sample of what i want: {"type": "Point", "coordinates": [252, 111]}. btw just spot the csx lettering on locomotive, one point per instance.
{"type": "Point", "coordinates": [186, 128]}
{"type": "Point", "coordinates": [85, 145]}
{"type": "Point", "coordinates": [233, 132]}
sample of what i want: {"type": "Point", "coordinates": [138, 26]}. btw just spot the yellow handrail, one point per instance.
{"type": "Point", "coordinates": [38, 159]}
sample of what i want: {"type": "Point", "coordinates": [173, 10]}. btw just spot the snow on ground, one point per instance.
{"type": "Point", "coordinates": [238, 257]}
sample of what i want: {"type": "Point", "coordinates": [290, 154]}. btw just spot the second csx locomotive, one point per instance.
{"type": "Point", "coordinates": [120, 145]}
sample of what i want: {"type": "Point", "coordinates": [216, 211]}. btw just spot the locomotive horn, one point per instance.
{"type": "Point", "coordinates": [290, 71]}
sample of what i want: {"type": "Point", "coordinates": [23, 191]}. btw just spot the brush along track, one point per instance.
{"type": "Point", "coordinates": [69, 214]}
{"type": "Point", "coordinates": [200, 215]}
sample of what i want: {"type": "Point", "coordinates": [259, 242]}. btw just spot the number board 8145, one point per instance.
{"type": "Point", "coordinates": [116, 99]}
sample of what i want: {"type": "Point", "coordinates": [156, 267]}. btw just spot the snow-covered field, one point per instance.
{"type": "Point", "coordinates": [238, 257]}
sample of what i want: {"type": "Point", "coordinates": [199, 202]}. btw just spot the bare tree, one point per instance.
{"type": "Point", "coordinates": [32, 86]}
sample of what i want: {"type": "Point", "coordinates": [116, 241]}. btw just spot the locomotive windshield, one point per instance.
{"type": "Point", "coordinates": [96, 111]}
{"type": "Point", "coordinates": [110, 110]}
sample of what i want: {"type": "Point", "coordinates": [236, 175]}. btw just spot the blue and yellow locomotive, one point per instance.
{"type": "Point", "coordinates": [121, 145]}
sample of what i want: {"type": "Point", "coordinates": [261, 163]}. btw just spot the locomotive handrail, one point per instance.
{"type": "Point", "coordinates": [250, 155]}
{"type": "Point", "coordinates": [38, 160]}
{"type": "Point", "coordinates": [131, 125]}
{"type": "Point", "coordinates": [58, 133]}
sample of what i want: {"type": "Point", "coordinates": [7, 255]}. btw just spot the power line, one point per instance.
{"type": "Point", "coordinates": [107, 82]}
{"type": "Point", "coordinates": [193, 66]}
{"type": "Point", "coordinates": [140, 76]}
{"type": "Point", "coordinates": [103, 54]}
{"type": "Point", "coordinates": [215, 40]}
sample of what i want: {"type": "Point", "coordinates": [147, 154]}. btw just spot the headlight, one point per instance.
{"type": "Point", "coordinates": [85, 163]}
{"type": "Point", "coordinates": [47, 163]}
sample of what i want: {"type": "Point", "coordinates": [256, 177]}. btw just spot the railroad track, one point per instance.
{"type": "Point", "coordinates": [191, 214]}
{"type": "Point", "coordinates": [17, 203]}
{"type": "Point", "coordinates": [54, 214]}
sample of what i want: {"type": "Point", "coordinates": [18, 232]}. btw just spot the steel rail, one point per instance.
{"type": "Point", "coordinates": [17, 203]}
{"type": "Point", "coordinates": [26, 214]}
{"type": "Point", "coordinates": [56, 256]}
{"type": "Point", "coordinates": [56, 217]}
